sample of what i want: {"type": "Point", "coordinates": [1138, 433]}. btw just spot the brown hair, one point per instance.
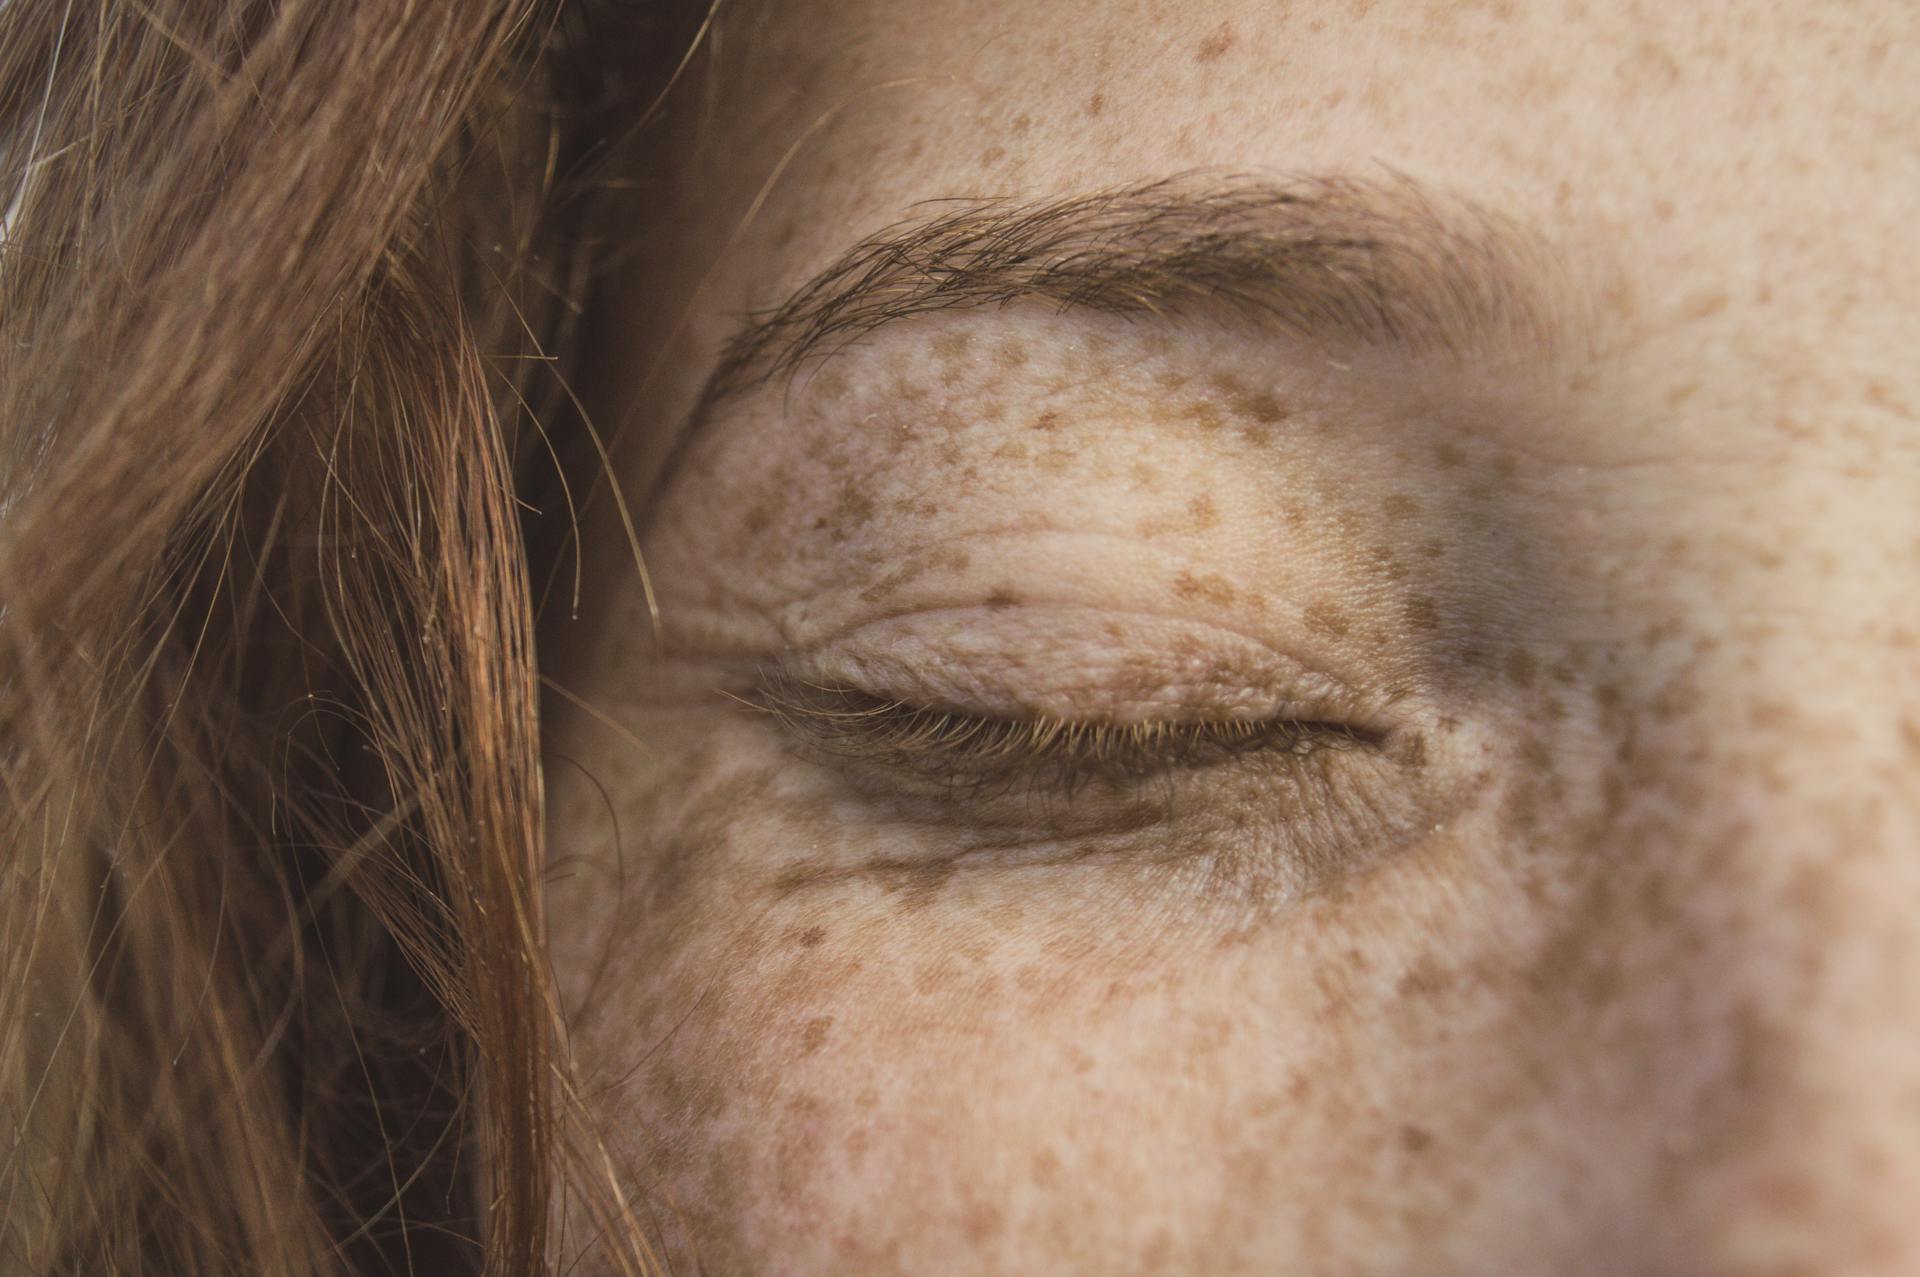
{"type": "Point", "coordinates": [282, 284]}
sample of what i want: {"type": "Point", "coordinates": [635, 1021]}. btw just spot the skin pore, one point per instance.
{"type": "Point", "coordinates": [1569, 919]}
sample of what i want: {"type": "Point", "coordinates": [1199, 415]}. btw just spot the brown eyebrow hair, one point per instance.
{"type": "Point", "coordinates": [1377, 262]}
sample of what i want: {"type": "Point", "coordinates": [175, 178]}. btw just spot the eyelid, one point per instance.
{"type": "Point", "coordinates": [1077, 663]}
{"type": "Point", "coordinates": [979, 752]}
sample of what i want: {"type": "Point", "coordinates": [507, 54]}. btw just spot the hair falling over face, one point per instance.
{"type": "Point", "coordinates": [284, 289]}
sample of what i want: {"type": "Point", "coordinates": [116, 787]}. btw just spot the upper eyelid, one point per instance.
{"type": "Point", "coordinates": [1337, 260]}
{"type": "Point", "coordinates": [1265, 679]}
{"type": "Point", "coordinates": [845, 711]}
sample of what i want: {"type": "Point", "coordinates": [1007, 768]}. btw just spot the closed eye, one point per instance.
{"type": "Point", "coordinates": [973, 752]}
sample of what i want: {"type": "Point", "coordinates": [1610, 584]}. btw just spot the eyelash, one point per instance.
{"type": "Point", "coordinates": [983, 754]}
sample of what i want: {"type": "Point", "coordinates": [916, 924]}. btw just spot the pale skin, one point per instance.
{"type": "Point", "coordinates": [1600, 953]}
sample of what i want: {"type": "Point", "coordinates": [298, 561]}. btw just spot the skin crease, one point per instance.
{"type": "Point", "coordinates": [1613, 961]}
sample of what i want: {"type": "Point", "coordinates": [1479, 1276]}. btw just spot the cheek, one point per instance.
{"type": "Point", "coordinates": [1060, 1071]}
{"type": "Point", "coordinates": [1513, 1047]}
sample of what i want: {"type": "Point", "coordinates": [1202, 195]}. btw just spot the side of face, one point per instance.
{"type": "Point", "coordinates": [1570, 923]}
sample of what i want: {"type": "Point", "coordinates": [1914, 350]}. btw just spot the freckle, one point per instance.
{"type": "Point", "coordinates": [1324, 618]}
{"type": "Point", "coordinates": [1204, 414]}
{"type": "Point", "coordinates": [1400, 506]}
{"type": "Point", "coordinates": [1046, 1167]}
{"type": "Point", "coordinates": [1215, 46]}
{"type": "Point", "coordinates": [1521, 667]}
{"type": "Point", "coordinates": [950, 346]}
{"type": "Point", "coordinates": [1170, 381]}
{"type": "Point", "coordinates": [1705, 305]}
{"type": "Point", "coordinates": [1413, 752]}
{"type": "Point", "coordinates": [1011, 354]}
{"type": "Point", "coordinates": [1208, 588]}
{"type": "Point", "coordinates": [992, 155]}
{"type": "Point", "coordinates": [1384, 564]}
{"type": "Point", "coordinates": [811, 937]}
{"type": "Point", "coordinates": [1021, 123]}
{"type": "Point", "coordinates": [1096, 104]}
{"type": "Point", "coordinates": [922, 883]}
{"type": "Point", "coordinates": [1002, 597]}
{"type": "Point", "coordinates": [1433, 549]}
{"type": "Point", "coordinates": [1262, 407]}
{"type": "Point", "coordinates": [929, 978]}
{"type": "Point", "coordinates": [1505, 467]}
{"type": "Point", "coordinates": [1448, 455]}
{"type": "Point", "coordinates": [1203, 512]}
{"type": "Point", "coordinates": [1415, 1140]}
{"type": "Point", "coordinates": [982, 1222]}
{"type": "Point", "coordinates": [828, 385]}
{"type": "Point", "coordinates": [1423, 613]}
{"type": "Point", "coordinates": [1048, 420]}
{"type": "Point", "coordinates": [813, 1035]}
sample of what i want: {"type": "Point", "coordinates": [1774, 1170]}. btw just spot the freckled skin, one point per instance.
{"type": "Point", "coordinates": [1608, 963]}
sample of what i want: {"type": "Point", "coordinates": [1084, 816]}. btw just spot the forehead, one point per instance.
{"type": "Point", "coordinates": [1730, 152]}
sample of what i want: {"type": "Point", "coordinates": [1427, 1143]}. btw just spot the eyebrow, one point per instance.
{"type": "Point", "coordinates": [1381, 263]}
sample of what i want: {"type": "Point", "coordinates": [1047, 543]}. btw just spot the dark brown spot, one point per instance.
{"type": "Point", "coordinates": [811, 937]}
{"type": "Point", "coordinates": [1413, 752]}
{"type": "Point", "coordinates": [1415, 1140]}
{"type": "Point", "coordinates": [1096, 104]}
